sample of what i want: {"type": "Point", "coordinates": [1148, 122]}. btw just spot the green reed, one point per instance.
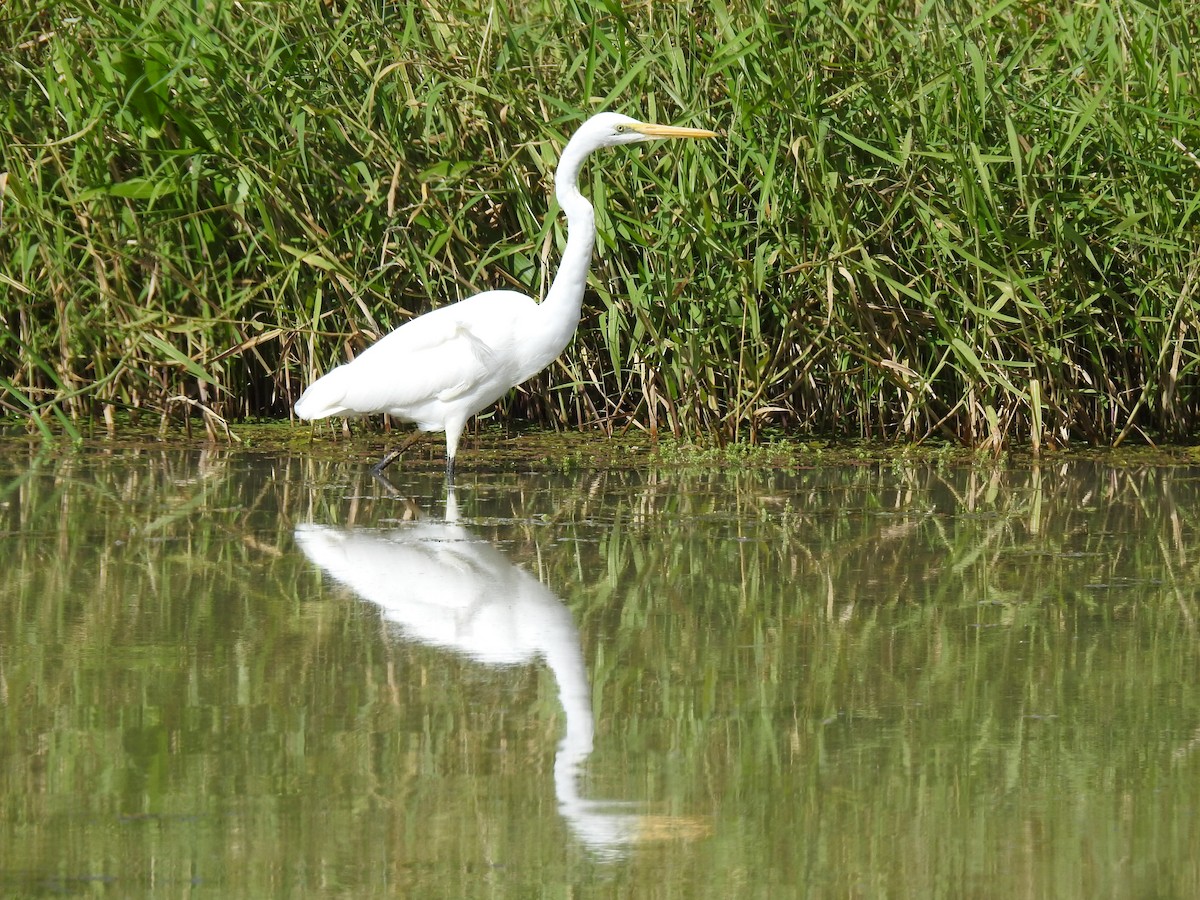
{"type": "Point", "coordinates": [967, 220]}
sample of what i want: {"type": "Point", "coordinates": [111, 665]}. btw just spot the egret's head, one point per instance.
{"type": "Point", "coordinates": [609, 129]}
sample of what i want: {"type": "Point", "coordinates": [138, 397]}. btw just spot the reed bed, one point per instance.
{"type": "Point", "coordinates": [965, 220]}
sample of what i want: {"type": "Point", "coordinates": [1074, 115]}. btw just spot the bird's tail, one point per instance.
{"type": "Point", "coordinates": [324, 397]}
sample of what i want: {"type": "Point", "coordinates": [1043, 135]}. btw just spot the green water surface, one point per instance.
{"type": "Point", "coordinates": [233, 675]}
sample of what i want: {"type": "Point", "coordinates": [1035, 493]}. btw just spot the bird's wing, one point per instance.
{"type": "Point", "coordinates": [440, 356]}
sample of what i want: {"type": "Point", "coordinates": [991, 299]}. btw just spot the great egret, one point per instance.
{"type": "Point", "coordinates": [439, 369]}
{"type": "Point", "coordinates": [441, 585]}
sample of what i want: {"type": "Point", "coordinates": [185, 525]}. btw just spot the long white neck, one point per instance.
{"type": "Point", "coordinates": [559, 312]}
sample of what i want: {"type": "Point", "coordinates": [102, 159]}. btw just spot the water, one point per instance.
{"type": "Point", "coordinates": [230, 675]}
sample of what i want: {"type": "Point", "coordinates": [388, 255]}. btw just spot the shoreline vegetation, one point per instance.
{"type": "Point", "coordinates": [491, 447]}
{"type": "Point", "coordinates": [969, 223]}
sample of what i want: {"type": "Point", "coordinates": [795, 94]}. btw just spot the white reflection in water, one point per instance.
{"type": "Point", "coordinates": [446, 587]}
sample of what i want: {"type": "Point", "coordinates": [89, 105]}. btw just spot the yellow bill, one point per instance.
{"type": "Point", "coordinates": [670, 131]}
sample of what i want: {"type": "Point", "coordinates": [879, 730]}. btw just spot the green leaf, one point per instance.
{"type": "Point", "coordinates": [174, 355]}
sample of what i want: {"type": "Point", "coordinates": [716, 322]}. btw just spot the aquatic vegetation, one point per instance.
{"type": "Point", "coordinates": [963, 220]}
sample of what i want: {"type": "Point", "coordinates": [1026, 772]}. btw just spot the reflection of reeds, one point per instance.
{"type": "Point", "coordinates": [654, 829]}
{"type": "Point", "coordinates": [890, 658]}
{"type": "Point", "coordinates": [959, 219]}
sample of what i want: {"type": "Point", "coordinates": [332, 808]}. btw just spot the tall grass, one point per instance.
{"type": "Point", "coordinates": [959, 219]}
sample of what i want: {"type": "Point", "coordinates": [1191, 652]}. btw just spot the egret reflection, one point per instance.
{"type": "Point", "coordinates": [446, 587]}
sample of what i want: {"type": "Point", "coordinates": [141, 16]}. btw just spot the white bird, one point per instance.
{"type": "Point", "coordinates": [441, 368]}
{"type": "Point", "coordinates": [443, 586]}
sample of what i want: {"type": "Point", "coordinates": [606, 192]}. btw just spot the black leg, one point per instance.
{"type": "Point", "coordinates": [412, 510]}
{"type": "Point", "coordinates": [382, 479]}
{"type": "Point", "coordinates": [450, 470]}
{"type": "Point", "coordinates": [392, 455]}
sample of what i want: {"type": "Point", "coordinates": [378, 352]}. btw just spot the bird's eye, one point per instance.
{"type": "Point", "coordinates": [620, 129]}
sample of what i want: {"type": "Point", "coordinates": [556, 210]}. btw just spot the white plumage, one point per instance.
{"type": "Point", "coordinates": [441, 585]}
{"type": "Point", "coordinates": [439, 369]}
